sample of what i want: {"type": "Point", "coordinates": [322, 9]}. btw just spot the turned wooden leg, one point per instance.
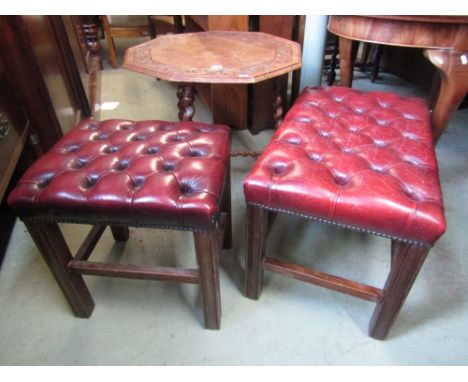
{"type": "Point", "coordinates": [453, 70]}
{"type": "Point", "coordinates": [346, 62]}
{"type": "Point", "coordinates": [53, 248]}
{"type": "Point", "coordinates": [120, 233]}
{"type": "Point", "coordinates": [277, 104]}
{"type": "Point", "coordinates": [257, 227]}
{"type": "Point", "coordinates": [226, 207]}
{"type": "Point", "coordinates": [207, 248]}
{"type": "Point", "coordinates": [407, 260]}
{"type": "Point", "coordinates": [186, 96]}
{"type": "Point", "coordinates": [91, 34]}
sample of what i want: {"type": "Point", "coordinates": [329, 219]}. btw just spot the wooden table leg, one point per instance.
{"type": "Point", "coordinates": [453, 70]}
{"type": "Point", "coordinates": [277, 104]}
{"type": "Point", "coordinates": [186, 96]}
{"type": "Point", "coordinates": [346, 62]}
{"type": "Point", "coordinates": [120, 233]}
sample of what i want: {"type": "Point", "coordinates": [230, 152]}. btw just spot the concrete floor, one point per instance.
{"type": "Point", "coordinates": [155, 323]}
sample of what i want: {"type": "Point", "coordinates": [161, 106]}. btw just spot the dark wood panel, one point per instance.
{"type": "Point", "coordinates": [42, 76]}
{"type": "Point", "coordinates": [14, 129]}
{"type": "Point", "coordinates": [52, 67]}
{"type": "Point", "coordinates": [228, 23]}
{"type": "Point", "coordinates": [22, 66]}
{"type": "Point", "coordinates": [229, 105]}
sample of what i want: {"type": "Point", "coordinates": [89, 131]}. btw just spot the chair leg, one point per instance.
{"type": "Point", "coordinates": [53, 248]}
{"type": "Point", "coordinates": [110, 42]}
{"type": "Point", "coordinates": [407, 260]}
{"type": "Point", "coordinates": [207, 250]}
{"type": "Point", "coordinates": [120, 233]}
{"type": "Point", "coordinates": [257, 228]}
{"type": "Point", "coordinates": [226, 207]}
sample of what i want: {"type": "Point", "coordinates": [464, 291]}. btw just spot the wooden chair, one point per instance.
{"type": "Point", "coordinates": [137, 26]}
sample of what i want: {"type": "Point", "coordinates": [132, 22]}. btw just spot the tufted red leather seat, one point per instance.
{"type": "Point", "coordinates": [120, 173]}
{"type": "Point", "coordinates": [148, 173]}
{"type": "Point", "coordinates": [363, 160]}
{"type": "Point", "coordinates": [360, 160]}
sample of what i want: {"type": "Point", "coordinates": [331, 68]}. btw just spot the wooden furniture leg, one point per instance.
{"type": "Point", "coordinates": [55, 251]}
{"type": "Point", "coordinates": [453, 70]}
{"type": "Point", "coordinates": [110, 42]}
{"type": "Point", "coordinates": [346, 62]}
{"type": "Point", "coordinates": [406, 262]}
{"type": "Point", "coordinates": [376, 62]}
{"type": "Point", "coordinates": [226, 207]}
{"type": "Point", "coordinates": [120, 233]}
{"type": "Point", "coordinates": [257, 228]}
{"type": "Point", "coordinates": [207, 250]}
{"type": "Point", "coordinates": [277, 104]}
{"type": "Point", "coordinates": [186, 96]}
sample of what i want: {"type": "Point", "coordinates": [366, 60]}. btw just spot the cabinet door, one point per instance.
{"type": "Point", "coordinates": [48, 55]}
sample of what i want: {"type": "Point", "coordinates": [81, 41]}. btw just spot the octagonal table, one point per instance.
{"type": "Point", "coordinates": [215, 57]}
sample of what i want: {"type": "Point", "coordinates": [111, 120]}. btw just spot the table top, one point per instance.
{"type": "Point", "coordinates": [430, 32]}
{"type": "Point", "coordinates": [215, 57]}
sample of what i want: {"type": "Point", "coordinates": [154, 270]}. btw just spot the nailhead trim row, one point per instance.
{"type": "Point", "coordinates": [45, 219]}
{"type": "Point", "coordinates": [346, 226]}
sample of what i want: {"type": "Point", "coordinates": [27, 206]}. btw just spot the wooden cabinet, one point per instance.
{"type": "Point", "coordinates": [46, 85]}
{"type": "Point", "coordinates": [14, 129]}
{"type": "Point", "coordinates": [248, 106]}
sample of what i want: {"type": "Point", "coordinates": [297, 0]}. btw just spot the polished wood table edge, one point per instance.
{"type": "Point", "coordinates": [210, 80]}
{"type": "Point", "coordinates": [440, 19]}
{"type": "Point", "coordinates": [377, 30]}
{"type": "Point", "coordinates": [287, 56]}
{"type": "Point", "coordinates": [350, 37]}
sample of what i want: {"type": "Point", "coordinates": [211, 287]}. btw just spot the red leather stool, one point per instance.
{"type": "Point", "coordinates": [363, 161]}
{"type": "Point", "coordinates": [121, 173]}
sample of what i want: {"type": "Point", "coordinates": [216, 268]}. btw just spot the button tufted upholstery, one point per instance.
{"type": "Point", "coordinates": [148, 173]}
{"type": "Point", "coordinates": [363, 160]}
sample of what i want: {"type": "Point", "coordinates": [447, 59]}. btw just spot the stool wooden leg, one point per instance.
{"type": "Point", "coordinates": [120, 233]}
{"type": "Point", "coordinates": [406, 262]}
{"type": "Point", "coordinates": [257, 228]}
{"type": "Point", "coordinates": [226, 207]}
{"type": "Point", "coordinates": [207, 249]}
{"type": "Point", "coordinates": [50, 242]}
